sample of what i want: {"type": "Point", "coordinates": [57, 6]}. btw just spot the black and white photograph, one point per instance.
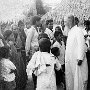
{"type": "Point", "coordinates": [44, 44]}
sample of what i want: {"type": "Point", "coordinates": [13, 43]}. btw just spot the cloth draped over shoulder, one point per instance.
{"type": "Point", "coordinates": [45, 74]}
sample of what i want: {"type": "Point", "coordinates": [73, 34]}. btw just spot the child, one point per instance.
{"type": "Point", "coordinates": [60, 44]}
{"type": "Point", "coordinates": [42, 65]}
{"type": "Point", "coordinates": [8, 70]}
{"type": "Point", "coordinates": [59, 74]}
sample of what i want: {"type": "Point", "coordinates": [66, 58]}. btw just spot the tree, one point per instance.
{"type": "Point", "coordinates": [39, 7]}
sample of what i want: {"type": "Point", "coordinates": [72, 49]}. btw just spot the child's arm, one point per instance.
{"type": "Point", "coordinates": [57, 65]}
{"type": "Point", "coordinates": [31, 66]}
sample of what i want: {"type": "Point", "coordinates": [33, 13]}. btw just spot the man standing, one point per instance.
{"type": "Point", "coordinates": [76, 69]}
{"type": "Point", "coordinates": [32, 42]}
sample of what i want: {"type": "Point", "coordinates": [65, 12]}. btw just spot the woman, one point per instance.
{"type": "Point", "coordinates": [42, 65]}
{"type": "Point", "coordinates": [16, 58]}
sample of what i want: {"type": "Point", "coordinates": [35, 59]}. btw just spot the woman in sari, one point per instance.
{"type": "Point", "coordinates": [16, 57]}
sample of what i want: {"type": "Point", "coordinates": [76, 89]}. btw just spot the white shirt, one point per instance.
{"type": "Point", "coordinates": [32, 39]}
{"type": "Point", "coordinates": [61, 57]}
{"type": "Point", "coordinates": [6, 67]}
{"type": "Point", "coordinates": [1, 43]}
{"type": "Point", "coordinates": [26, 31]}
{"type": "Point", "coordinates": [49, 33]}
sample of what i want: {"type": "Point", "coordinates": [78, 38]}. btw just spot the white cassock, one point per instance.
{"type": "Point", "coordinates": [76, 76]}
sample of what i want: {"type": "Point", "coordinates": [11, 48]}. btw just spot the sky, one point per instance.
{"type": "Point", "coordinates": [13, 9]}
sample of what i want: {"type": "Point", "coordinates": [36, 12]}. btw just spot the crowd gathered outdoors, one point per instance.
{"type": "Point", "coordinates": [47, 55]}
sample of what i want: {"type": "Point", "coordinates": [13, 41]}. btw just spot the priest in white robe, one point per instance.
{"type": "Point", "coordinates": [76, 69]}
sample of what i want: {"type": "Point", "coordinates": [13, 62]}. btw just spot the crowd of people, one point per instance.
{"type": "Point", "coordinates": [51, 57]}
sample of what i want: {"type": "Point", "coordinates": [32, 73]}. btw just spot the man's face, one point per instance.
{"type": "Point", "coordinates": [21, 26]}
{"type": "Point", "coordinates": [68, 23]}
{"type": "Point", "coordinates": [38, 23]}
{"type": "Point", "coordinates": [50, 25]}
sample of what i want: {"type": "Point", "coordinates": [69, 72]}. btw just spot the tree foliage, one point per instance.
{"type": "Point", "coordinates": [39, 7]}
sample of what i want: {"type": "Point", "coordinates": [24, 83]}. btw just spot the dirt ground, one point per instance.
{"type": "Point", "coordinates": [30, 86]}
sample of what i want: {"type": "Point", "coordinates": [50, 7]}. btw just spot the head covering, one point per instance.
{"type": "Point", "coordinates": [7, 33]}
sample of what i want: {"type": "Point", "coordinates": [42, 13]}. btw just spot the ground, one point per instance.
{"type": "Point", "coordinates": [30, 86]}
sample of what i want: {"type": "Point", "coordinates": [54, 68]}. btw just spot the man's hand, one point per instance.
{"type": "Point", "coordinates": [30, 78]}
{"type": "Point", "coordinates": [80, 62]}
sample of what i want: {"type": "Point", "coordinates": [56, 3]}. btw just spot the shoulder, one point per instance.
{"type": "Point", "coordinates": [48, 30]}
{"type": "Point", "coordinates": [36, 54]}
{"type": "Point", "coordinates": [5, 61]}
{"type": "Point", "coordinates": [56, 44]}
{"type": "Point", "coordinates": [79, 31]}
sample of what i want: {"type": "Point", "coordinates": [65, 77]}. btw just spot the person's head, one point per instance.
{"type": "Point", "coordinates": [58, 28]}
{"type": "Point", "coordinates": [4, 52]}
{"type": "Point", "coordinates": [44, 45]}
{"type": "Point", "coordinates": [20, 25]}
{"type": "Point", "coordinates": [58, 36]}
{"type": "Point", "coordinates": [76, 21]}
{"type": "Point", "coordinates": [87, 25]}
{"type": "Point", "coordinates": [55, 51]}
{"type": "Point", "coordinates": [69, 21]}
{"type": "Point", "coordinates": [8, 35]}
{"type": "Point", "coordinates": [88, 35]}
{"type": "Point", "coordinates": [49, 24]}
{"type": "Point", "coordinates": [36, 21]}
{"type": "Point", "coordinates": [62, 22]}
{"type": "Point", "coordinates": [15, 30]}
{"type": "Point", "coordinates": [43, 35]}
{"type": "Point", "coordinates": [14, 27]}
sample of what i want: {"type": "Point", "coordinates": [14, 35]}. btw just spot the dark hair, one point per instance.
{"type": "Point", "coordinates": [4, 52]}
{"type": "Point", "coordinates": [7, 33]}
{"type": "Point", "coordinates": [87, 25]}
{"type": "Point", "coordinates": [43, 35]}
{"type": "Point", "coordinates": [76, 21]}
{"type": "Point", "coordinates": [48, 21]}
{"type": "Point", "coordinates": [34, 19]}
{"type": "Point", "coordinates": [55, 51]}
{"type": "Point", "coordinates": [44, 45]}
{"type": "Point", "coordinates": [59, 29]}
{"type": "Point", "coordinates": [20, 23]}
{"type": "Point", "coordinates": [57, 33]}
